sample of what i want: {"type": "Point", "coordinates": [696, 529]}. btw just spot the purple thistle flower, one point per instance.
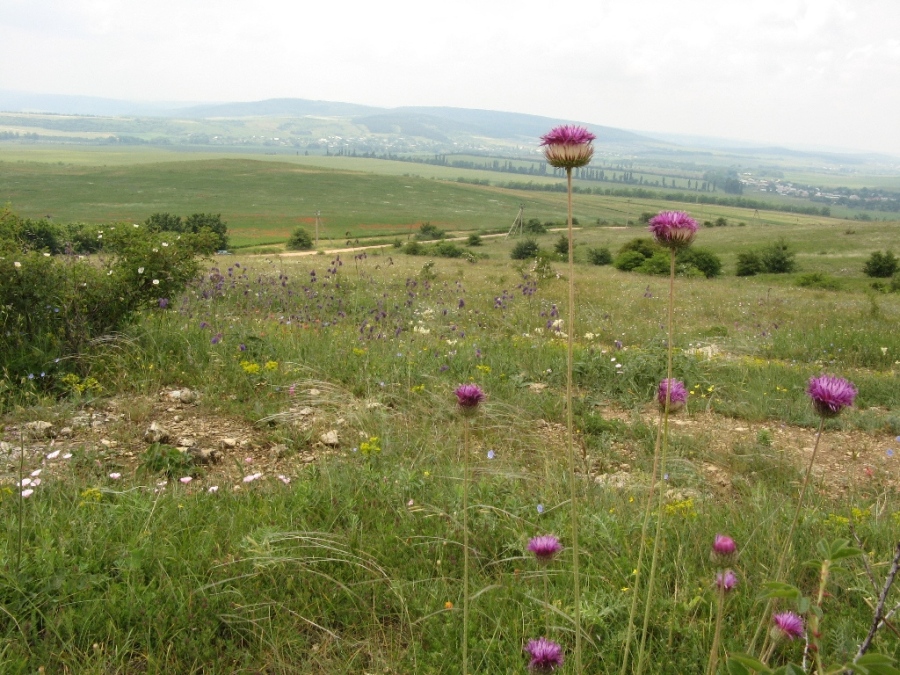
{"type": "Point", "coordinates": [723, 546]}
{"type": "Point", "coordinates": [830, 394]}
{"type": "Point", "coordinates": [216, 339]}
{"type": "Point", "coordinates": [726, 580]}
{"type": "Point", "coordinates": [673, 229]}
{"type": "Point", "coordinates": [544, 547]}
{"type": "Point", "coordinates": [677, 396]}
{"type": "Point", "coordinates": [568, 146]}
{"type": "Point", "coordinates": [468, 396]}
{"type": "Point", "coordinates": [163, 303]}
{"type": "Point", "coordinates": [546, 655]}
{"type": "Point", "coordinates": [787, 625]}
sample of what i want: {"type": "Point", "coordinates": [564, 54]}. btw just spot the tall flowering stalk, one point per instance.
{"type": "Point", "coordinates": [569, 147]}
{"type": "Point", "coordinates": [829, 395]}
{"type": "Point", "coordinates": [468, 398]}
{"type": "Point", "coordinates": [723, 551]}
{"type": "Point", "coordinates": [545, 548]}
{"type": "Point", "coordinates": [674, 230]}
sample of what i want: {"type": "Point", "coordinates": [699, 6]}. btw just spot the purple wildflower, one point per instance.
{"type": "Point", "coordinates": [677, 396]}
{"type": "Point", "coordinates": [723, 546]}
{"type": "Point", "coordinates": [726, 580]}
{"type": "Point", "coordinates": [568, 146]}
{"type": "Point", "coordinates": [216, 339]}
{"type": "Point", "coordinates": [673, 229]}
{"type": "Point", "coordinates": [787, 625]}
{"type": "Point", "coordinates": [830, 394]}
{"type": "Point", "coordinates": [546, 655]}
{"type": "Point", "coordinates": [468, 396]}
{"type": "Point", "coordinates": [163, 303]}
{"type": "Point", "coordinates": [544, 547]}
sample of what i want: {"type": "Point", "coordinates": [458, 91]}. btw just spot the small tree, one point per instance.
{"type": "Point", "coordinates": [748, 264]}
{"type": "Point", "coordinates": [473, 240]}
{"type": "Point", "coordinates": [562, 245]}
{"type": "Point", "coordinates": [600, 256]}
{"type": "Point", "coordinates": [534, 226]}
{"type": "Point", "coordinates": [702, 259]}
{"type": "Point", "coordinates": [300, 240]}
{"type": "Point", "coordinates": [527, 248]}
{"type": "Point", "coordinates": [881, 265]}
{"type": "Point", "coordinates": [778, 258]}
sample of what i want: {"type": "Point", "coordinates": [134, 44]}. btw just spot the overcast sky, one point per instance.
{"type": "Point", "coordinates": [816, 73]}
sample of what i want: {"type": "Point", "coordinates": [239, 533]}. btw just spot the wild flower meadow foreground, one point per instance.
{"type": "Point", "coordinates": [361, 463]}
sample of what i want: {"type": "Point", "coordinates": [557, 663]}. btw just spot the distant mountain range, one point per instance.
{"type": "Point", "coordinates": [442, 126]}
{"type": "Point", "coordinates": [436, 123]}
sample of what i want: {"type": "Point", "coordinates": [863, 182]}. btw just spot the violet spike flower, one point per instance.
{"type": "Point", "coordinates": [545, 547]}
{"type": "Point", "coordinates": [545, 655]}
{"type": "Point", "coordinates": [673, 229]}
{"type": "Point", "coordinates": [830, 394]}
{"type": "Point", "coordinates": [726, 580]}
{"type": "Point", "coordinates": [568, 146]}
{"type": "Point", "coordinates": [469, 396]}
{"type": "Point", "coordinates": [787, 625]}
{"type": "Point", "coordinates": [677, 396]}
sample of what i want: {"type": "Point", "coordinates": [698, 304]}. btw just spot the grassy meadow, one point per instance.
{"type": "Point", "coordinates": [294, 551]}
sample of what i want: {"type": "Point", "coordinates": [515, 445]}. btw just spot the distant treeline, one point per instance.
{"type": "Point", "coordinates": [642, 193]}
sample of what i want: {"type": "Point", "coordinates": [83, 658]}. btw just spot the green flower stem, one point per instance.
{"type": "Point", "coordinates": [662, 464]}
{"type": "Point", "coordinates": [717, 634]}
{"type": "Point", "coordinates": [779, 571]}
{"type": "Point", "coordinates": [21, 500]}
{"type": "Point", "coordinates": [570, 434]}
{"type": "Point", "coordinates": [635, 588]}
{"type": "Point", "coordinates": [465, 635]}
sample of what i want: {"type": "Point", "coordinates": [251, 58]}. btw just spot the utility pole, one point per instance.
{"type": "Point", "coordinates": [318, 213]}
{"type": "Point", "coordinates": [517, 223]}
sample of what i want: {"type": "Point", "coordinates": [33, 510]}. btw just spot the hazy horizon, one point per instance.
{"type": "Point", "coordinates": [789, 73]}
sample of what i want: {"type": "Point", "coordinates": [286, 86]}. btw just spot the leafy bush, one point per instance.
{"type": "Point", "coordinates": [473, 240]}
{"type": "Point", "coordinates": [447, 249]}
{"type": "Point", "coordinates": [527, 248]}
{"type": "Point", "coordinates": [52, 307]}
{"type": "Point", "coordinates": [534, 226]}
{"type": "Point", "coordinates": [701, 259]}
{"type": "Point", "coordinates": [196, 223]}
{"type": "Point", "coordinates": [162, 458]}
{"type": "Point", "coordinates": [644, 245]}
{"type": "Point", "coordinates": [300, 240]}
{"type": "Point", "coordinates": [413, 247]}
{"type": "Point", "coordinates": [658, 264]}
{"type": "Point", "coordinates": [628, 261]}
{"type": "Point", "coordinates": [749, 264]}
{"type": "Point", "coordinates": [427, 231]}
{"type": "Point", "coordinates": [562, 245]}
{"type": "Point", "coordinates": [818, 280]}
{"type": "Point", "coordinates": [600, 256]}
{"type": "Point", "coordinates": [778, 258]}
{"type": "Point", "coordinates": [881, 265]}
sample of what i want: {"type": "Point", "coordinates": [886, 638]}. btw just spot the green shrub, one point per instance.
{"type": "Point", "coordinates": [628, 261]}
{"type": "Point", "coordinates": [428, 232]}
{"type": "Point", "coordinates": [196, 223]}
{"type": "Point", "coordinates": [534, 226]}
{"type": "Point", "coordinates": [413, 247]}
{"type": "Point", "coordinates": [881, 265]}
{"type": "Point", "coordinates": [562, 245]}
{"type": "Point", "coordinates": [701, 259]}
{"type": "Point", "coordinates": [473, 240]}
{"type": "Point", "coordinates": [749, 264]}
{"type": "Point", "coordinates": [52, 307]}
{"type": "Point", "coordinates": [778, 258]}
{"type": "Point", "coordinates": [447, 249]}
{"type": "Point", "coordinates": [644, 245]}
{"type": "Point", "coordinates": [818, 280]}
{"type": "Point", "coordinates": [527, 248]}
{"type": "Point", "coordinates": [600, 256]}
{"type": "Point", "coordinates": [658, 264]}
{"type": "Point", "coordinates": [300, 240]}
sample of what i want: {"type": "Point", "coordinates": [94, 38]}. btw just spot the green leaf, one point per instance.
{"type": "Point", "coordinates": [776, 589]}
{"type": "Point", "coordinates": [803, 605]}
{"type": "Point", "coordinates": [748, 662]}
